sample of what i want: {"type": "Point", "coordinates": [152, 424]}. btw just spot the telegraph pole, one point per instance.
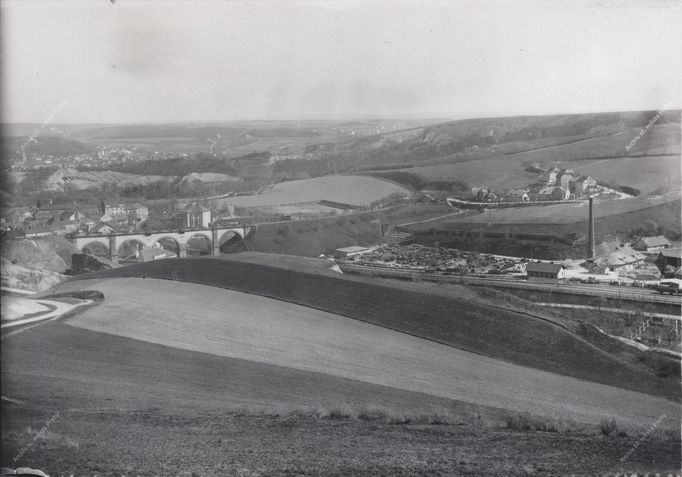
{"type": "Point", "coordinates": [590, 232]}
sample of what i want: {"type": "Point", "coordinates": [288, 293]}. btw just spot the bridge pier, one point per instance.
{"type": "Point", "coordinates": [215, 243]}
{"type": "Point", "coordinates": [182, 250]}
{"type": "Point", "coordinates": [113, 250]}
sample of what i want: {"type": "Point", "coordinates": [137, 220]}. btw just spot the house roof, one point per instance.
{"type": "Point", "coordinates": [624, 256]}
{"type": "Point", "coordinates": [549, 190]}
{"type": "Point", "coordinates": [196, 208]}
{"type": "Point", "coordinates": [353, 249]}
{"type": "Point", "coordinates": [543, 267]}
{"type": "Point", "coordinates": [672, 252]}
{"type": "Point", "coordinates": [657, 241]}
{"type": "Point", "coordinates": [101, 225]}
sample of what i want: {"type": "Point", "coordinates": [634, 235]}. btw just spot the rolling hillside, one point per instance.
{"type": "Point", "coordinates": [558, 137]}
{"type": "Point", "coordinates": [264, 330]}
{"type": "Point", "coordinates": [260, 364]}
{"type": "Point", "coordinates": [474, 327]}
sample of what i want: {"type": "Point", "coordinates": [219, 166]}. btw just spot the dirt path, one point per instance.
{"type": "Point", "coordinates": [239, 325]}
{"type": "Point", "coordinates": [53, 309]}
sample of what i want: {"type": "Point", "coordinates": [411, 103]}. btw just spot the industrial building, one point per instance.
{"type": "Point", "coordinates": [348, 251]}
{"type": "Point", "coordinates": [539, 271]}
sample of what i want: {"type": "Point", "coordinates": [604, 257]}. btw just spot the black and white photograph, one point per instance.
{"type": "Point", "coordinates": [340, 238]}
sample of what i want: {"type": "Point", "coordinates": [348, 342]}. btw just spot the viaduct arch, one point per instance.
{"type": "Point", "coordinates": [113, 242]}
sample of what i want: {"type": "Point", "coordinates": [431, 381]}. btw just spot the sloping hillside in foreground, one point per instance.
{"type": "Point", "coordinates": [259, 329]}
{"type": "Point", "coordinates": [166, 377]}
{"type": "Point", "coordinates": [459, 322]}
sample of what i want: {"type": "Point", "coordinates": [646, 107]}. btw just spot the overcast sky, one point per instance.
{"type": "Point", "coordinates": [173, 61]}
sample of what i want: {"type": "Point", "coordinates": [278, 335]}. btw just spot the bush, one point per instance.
{"type": "Point", "coordinates": [372, 415]}
{"type": "Point", "coordinates": [81, 295]}
{"type": "Point", "coordinates": [526, 422]}
{"type": "Point", "coordinates": [337, 413]}
{"type": "Point", "coordinates": [608, 426]}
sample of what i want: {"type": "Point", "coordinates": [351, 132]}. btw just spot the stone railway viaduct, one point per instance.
{"type": "Point", "coordinates": [217, 236]}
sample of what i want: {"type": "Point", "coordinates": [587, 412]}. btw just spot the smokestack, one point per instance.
{"type": "Point", "coordinates": [590, 233]}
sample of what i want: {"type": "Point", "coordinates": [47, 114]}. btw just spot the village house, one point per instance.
{"type": "Point", "coordinates": [136, 211]}
{"type": "Point", "coordinates": [647, 244]}
{"type": "Point", "coordinates": [103, 228]}
{"type": "Point", "coordinates": [113, 210]}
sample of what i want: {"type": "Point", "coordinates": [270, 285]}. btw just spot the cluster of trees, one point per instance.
{"type": "Point", "coordinates": [652, 228]}
{"type": "Point", "coordinates": [575, 128]}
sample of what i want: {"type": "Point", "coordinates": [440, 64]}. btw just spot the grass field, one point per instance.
{"type": "Point", "coordinates": [356, 190]}
{"type": "Point", "coordinates": [647, 174]}
{"type": "Point", "coordinates": [244, 326]}
{"type": "Point", "coordinates": [468, 325]}
{"type": "Point", "coordinates": [175, 378]}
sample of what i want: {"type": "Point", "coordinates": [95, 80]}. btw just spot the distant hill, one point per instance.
{"type": "Point", "coordinates": [469, 139]}
{"type": "Point", "coordinates": [55, 146]}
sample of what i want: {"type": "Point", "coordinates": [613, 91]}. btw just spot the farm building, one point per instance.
{"type": "Point", "coordinates": [624, 257]}
{"type": "Point", "coordinates": [348, 251]}
{"type": "Point", "coordinates": [646, 244]}
{"type": "Point", "coordinates": [582, 185]}
{"type": "Point", "coordinates": [544, 271]}
{"type": "Point", "coordinates": [551, 193]}
{"type": "Point", "coordinates": [669, 260]}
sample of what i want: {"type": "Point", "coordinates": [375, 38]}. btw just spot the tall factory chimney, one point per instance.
{"type": "Point", "coordinates": [590, 233]}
